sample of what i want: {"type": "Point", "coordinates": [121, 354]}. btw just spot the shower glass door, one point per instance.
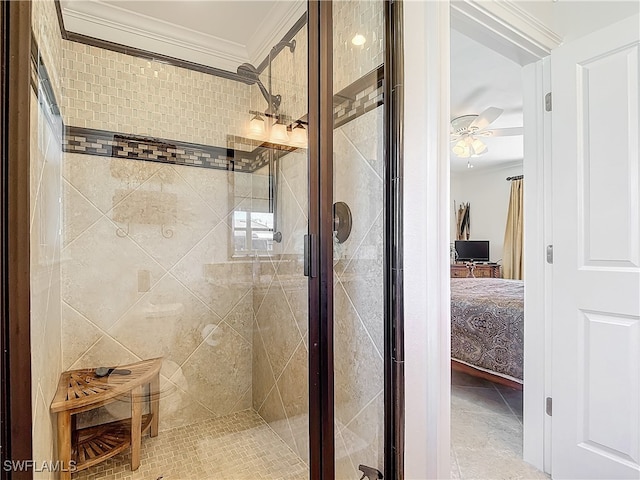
{"type": "Point", "coordinates": [358, 243]}
{"type": "Point", "coordinates": [184, 212]}
{"type": "Point", "coordinates": [280, 202]}
{"type": "Point", "coordinates": [197, 232]}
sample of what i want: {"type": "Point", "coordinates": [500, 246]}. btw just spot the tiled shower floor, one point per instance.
{"type": "Point", "coordinates": [234, 447]}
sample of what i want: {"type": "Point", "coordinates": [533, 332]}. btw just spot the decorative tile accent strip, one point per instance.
{"type": "Point", "coordinates": [361, 96]}
{"type": "Point", "coordinates": [111, 144]}
{"type": "Point", "coordinates": [247, 156]}
{"type": "Point", "coordinates": [241, 155]}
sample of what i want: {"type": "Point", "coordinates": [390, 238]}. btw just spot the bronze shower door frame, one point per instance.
{"type": "Point", "coordinates": [15, 360]}
{"type": "Point", "coordinates": [320, 245]}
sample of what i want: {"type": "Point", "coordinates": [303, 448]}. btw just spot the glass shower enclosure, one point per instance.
{"type": "Point", "coordinates": [229, 223]}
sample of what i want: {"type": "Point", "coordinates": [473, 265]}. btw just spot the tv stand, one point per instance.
{"type": "Point", "coordinates": [464, 270]}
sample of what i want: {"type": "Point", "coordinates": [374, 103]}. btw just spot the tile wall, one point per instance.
{"type": "Point", "coordinates": [46, 32]}
{"type": "Point", "coordinates": [280, 300]}
{"type": "Point", "coordinates": [148, 265]}
{"type": "Point", "coordinates": [359, 296]}
{"type": "Point", "coordinates": [351, 62]}
{"type": "Point", "coordinates": [280, 294]}
{"type": "Point", "coordinates": [148, 271]}
{"type": "Point", "coordinates": [148, 259]}
{"type": "Point", "coordinates": [280, 348]}
{"type": "Point", "coordinates": [288, 79]}
{"type": "Point", "coordinates": [112, 91]}
{"type": "Point", "coordinates": [45, 166]}
{"type": "Point", "coordinates": [280, 351]}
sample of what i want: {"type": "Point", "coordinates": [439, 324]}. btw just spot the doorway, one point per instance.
{"type": "Point", "coordinates": [487, 288]}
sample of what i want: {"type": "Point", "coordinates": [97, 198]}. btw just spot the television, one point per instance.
{"type": "Point", "coordinates": [472, 250]}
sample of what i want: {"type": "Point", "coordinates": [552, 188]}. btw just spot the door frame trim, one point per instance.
{"type": "Point", "coordinates": [15, 245]}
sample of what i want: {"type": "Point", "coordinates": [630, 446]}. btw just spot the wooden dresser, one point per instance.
{"type": "Point", "coordinates": [462, 270]}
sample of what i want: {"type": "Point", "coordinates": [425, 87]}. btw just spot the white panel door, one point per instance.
{"type": "Point", "coordinates": [596, 272]}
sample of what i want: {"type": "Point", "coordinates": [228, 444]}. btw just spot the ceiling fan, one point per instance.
{"type": "Point", "coordinates": [466, 130]}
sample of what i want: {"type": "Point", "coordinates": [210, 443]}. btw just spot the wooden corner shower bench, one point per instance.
{"type": "Point", "coordinates": [81, 391]}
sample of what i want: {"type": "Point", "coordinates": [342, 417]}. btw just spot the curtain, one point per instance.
{"type": "Point", "coordinates": [463, 221]}
{"type": "Point", "coordinates": [512, 257]}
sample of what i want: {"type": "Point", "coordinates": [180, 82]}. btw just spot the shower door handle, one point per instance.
{"type": "Point", "coordinates": [310, 255]}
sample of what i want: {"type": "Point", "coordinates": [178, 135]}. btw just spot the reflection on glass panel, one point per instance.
{"type": "Point", "coordinates": [358, 259]}
{"type": "Point", "coordinates": [167, 238]}
{"type": "Point", "coordinates": [252, 232]}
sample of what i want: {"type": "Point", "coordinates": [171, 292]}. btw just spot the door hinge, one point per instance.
{"type": "Point", "coordinates": [547, 102]}
{"type": "Point", "coordinates": [550, 254]}
{"type": "Point", "coordinates": [549, 406]}
{"type": "Point", "coordinates": [310, 255]}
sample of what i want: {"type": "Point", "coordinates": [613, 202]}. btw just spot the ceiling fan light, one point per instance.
{"type": "Point", "coordinates": [476, 154]}
{"type": "Point", "coordinates": [478, 147]}
{"type": "Point", "coordinates": [460, 148]}
{"type": "Point", "coordinates": [464, 153]}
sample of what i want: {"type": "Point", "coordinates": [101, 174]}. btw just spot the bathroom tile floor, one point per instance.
{"type": "Point", "coordinates": [235, 447]}
{"type": "Point", "coordinates": [486, 431]}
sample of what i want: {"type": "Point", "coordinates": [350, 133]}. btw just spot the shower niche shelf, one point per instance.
{"type": "Point", "coordinates": [82, 391]}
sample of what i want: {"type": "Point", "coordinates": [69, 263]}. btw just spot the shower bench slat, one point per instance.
{"type": "Point", "coordinates": [81, 391]}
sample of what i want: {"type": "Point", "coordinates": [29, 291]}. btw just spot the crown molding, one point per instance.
{"type": "Point", "coordinates": [117, 25]}
{"type": "Point", "coordinates": [273, 28]}
{"type": "Point", "coordinates": [505, 27]}
{"type": "Point", "coordinates": [524, 22]}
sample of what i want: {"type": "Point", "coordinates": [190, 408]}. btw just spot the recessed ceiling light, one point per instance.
{"type": "Point", "coordinates": [358, 40]}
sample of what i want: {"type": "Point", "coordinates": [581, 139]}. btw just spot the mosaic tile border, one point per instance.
{"type": "Point", "coordinates": [135, 147]}
{"type": "Point", "coordinates": [362, 96]}
{"type": "Point", "coordinates": [241, 154]}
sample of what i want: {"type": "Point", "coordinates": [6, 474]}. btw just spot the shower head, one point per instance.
{"type": "Point", "coordinates": [251, 75]}
{"type": "Point", "coordinates": [283, 44]}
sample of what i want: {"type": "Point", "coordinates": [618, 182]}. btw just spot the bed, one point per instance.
{"type": "Point", "coordinates": [487, 328]}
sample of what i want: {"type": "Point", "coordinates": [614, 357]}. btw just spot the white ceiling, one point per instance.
{"type": "Point", "coordinates": [482, 78]}
{"type": "Point", "coordinates": [221, 34]}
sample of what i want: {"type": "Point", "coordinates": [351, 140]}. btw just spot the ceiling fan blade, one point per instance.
{"type": "Point", "coordinates": [507, 132]}
{"type": "Point", "coordinates": [486, 118]}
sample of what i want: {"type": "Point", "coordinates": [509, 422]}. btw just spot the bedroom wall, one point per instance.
{"type": "Point", "coordinates": [488, 193]}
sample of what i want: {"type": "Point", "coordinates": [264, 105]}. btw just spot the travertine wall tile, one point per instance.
{"type": "Point", "coordinates": [45, 216]}
{"type": "Point", "coordinates": [155, 275]}
{"type": "Point", "coordinates": [46, 31]}
{"type": "Point", "coordinates": [233, 329]}
{"type": "Point", "coordinates": [112, 91]}
{"type": "Point", "coordinates": [351, 17]}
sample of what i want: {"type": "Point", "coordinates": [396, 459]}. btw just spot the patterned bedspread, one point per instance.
{"type": "Point", "coordinates": [487, 322]}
